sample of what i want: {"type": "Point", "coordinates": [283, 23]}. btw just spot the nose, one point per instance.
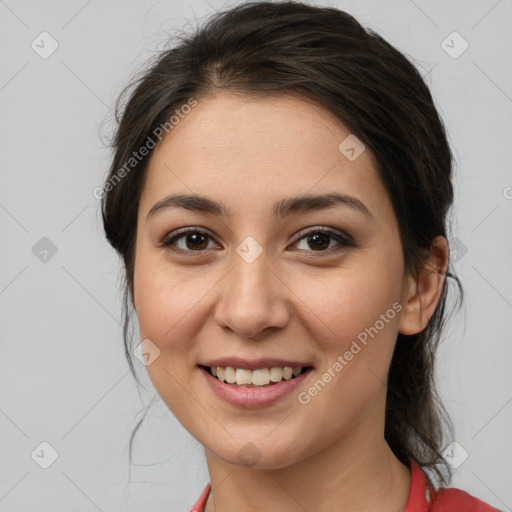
{"type": "Point", "coordinates": [252, 299]}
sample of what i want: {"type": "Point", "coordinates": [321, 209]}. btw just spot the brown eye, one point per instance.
{"type": "Point", "coordinates": [189, 239]}
{"type": "Point", "coordinates": [319, 240]}
{"type": "Point", "coordinates": [196, 241]}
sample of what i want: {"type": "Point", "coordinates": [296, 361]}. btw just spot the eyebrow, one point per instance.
{"type": "Point", "coordinates": [281, 209]}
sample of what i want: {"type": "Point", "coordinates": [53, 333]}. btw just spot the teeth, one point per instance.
{"type": "Point", "coordinates": [276, 374]}
{"type": "Point", "coordinates": [243, 376]}
{"type": "Point", "coordinates": [260, 377]}
{"type": "Point", "coordinates": [287, 372]}
{"type": "Point", "coordinates": [229, 375]}
{"type": "Point", "coordinates": [297, 370]}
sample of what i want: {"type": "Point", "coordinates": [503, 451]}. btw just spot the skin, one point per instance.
{"type": "Point", "coordinates": [291, 302]}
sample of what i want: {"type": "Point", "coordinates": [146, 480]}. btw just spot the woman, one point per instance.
{"type": "Point", "coordinates": [279, 195]}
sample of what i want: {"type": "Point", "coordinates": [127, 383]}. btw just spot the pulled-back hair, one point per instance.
{"type": "Point", "coordinates": [322, 54]}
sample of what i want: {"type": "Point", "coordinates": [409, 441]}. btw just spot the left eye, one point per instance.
{"type": "Point", "coordinates": [195, 240]}
{"type": "Point", "coordinates": [320, 239]}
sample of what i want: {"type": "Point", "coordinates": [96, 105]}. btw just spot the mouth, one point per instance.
{"type": "Point", "coordinates": [260, 387]}
{"type": "Point", "coordinates": [258, 378]}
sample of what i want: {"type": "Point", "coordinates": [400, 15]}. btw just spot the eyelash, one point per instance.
{"type": "Point", "coordinates": [343, 240]}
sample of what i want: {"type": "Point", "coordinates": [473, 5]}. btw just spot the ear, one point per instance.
{"type": "Point", "coordinates": [421, 295]}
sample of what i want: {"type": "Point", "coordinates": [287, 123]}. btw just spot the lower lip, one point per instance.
{"type": "Point", "coordinates": [253, 397]}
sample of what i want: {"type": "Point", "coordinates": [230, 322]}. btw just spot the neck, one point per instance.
{"type": "Point", "coordinates": [358, 472]}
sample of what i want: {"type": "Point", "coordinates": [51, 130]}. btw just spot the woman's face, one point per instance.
{"type": "Point", "coordinates": [257, 280]}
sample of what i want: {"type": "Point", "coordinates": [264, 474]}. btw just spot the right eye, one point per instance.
{"type": "Point", "coordinates": [192, 240]}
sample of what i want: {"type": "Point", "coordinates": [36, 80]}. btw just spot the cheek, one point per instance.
{"type": "Point", "coordinates": [172, 307]}
{"type": "Point", "coordinates": [355, 314]}
{"type": "Point", "coordinates": [164, 301]}
{"type": "Point", "coordinates": [354, 322]}
{"type": "Point", "coordinates": [163, 313]}
{"type": "Point", "coordinates": [345, 304]}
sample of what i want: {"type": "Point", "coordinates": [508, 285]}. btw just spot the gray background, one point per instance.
{"type": "Point", "coordinates": [64, 378]}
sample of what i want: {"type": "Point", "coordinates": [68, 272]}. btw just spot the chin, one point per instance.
{"type": "Point", "coordinates": [260, 453]}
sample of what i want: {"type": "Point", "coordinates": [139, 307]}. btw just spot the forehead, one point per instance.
{"type": "Point", "coordinates": [250, 150]}
{"type": "Point", "coordinates": [280, 128]}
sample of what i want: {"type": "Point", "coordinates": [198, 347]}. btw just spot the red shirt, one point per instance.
{"type": "Point", "coordinates": [422, 497]}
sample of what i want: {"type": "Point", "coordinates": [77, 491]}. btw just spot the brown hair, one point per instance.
{"type": "Point", "coordinates": [325, 55]}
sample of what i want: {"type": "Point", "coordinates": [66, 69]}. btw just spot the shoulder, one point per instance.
{"type": "Point", "coordinates": [423, 496]}
{"type": "Point", "coordinates": [448, 500]}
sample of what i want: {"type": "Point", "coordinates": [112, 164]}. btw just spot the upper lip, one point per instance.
{"type": "Point", "coordinates": [266, 362]}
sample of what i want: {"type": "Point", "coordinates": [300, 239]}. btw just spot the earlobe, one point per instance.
{"type": "Point", "coordinates": [422, 295]}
